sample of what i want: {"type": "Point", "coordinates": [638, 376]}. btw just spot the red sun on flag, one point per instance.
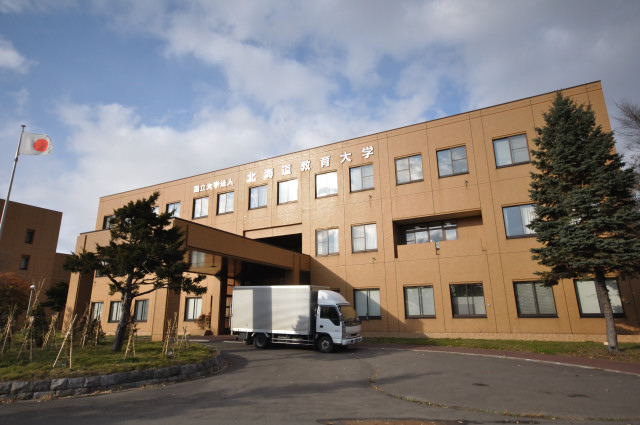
{"type": "Point", "coordinates": [41, 145]}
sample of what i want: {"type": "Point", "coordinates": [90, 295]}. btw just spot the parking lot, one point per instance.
{"type": "Point", "coordinates": [361, 385]}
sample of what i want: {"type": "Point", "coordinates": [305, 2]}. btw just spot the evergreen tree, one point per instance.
{"type": "Point", "coordinates": [586, 214]}
{"type": "Point", "coordinates": [144, 254]}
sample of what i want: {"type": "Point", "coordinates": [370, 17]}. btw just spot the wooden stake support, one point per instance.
{"type": "Point", "coordinates": [68, 336]}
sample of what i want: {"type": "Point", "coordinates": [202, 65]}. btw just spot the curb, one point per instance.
{"type": "Point", "coordinates": [67, 387]}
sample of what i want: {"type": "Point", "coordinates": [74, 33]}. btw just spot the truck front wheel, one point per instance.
{"type": "Point", "coordinates": [260, 341]}
{"type": "Point", "coordinates": [325, 344]}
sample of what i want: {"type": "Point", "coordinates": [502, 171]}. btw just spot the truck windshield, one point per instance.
{"type": "Point", "coordinates": [349, 315]}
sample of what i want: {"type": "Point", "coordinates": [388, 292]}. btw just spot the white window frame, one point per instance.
{"type": "Point", "coordinates": [361, 178]}
{"type": "Point", "coordinates": [201, 207]}
{"type": "Point", "coordinates": [326, 184]}
{"type": "Point", "coordinates": [366, 235]}
{"type": "Point", "coordinates": [522, 219]}
{"type": "Point", "coordinates": [287, 191]}
{"type": "Point", "coordinates": [225, 203]}
{"type": "Point", "coordinates": [327, 242]}
{"type": "Point", "coordinates": [414, 170]}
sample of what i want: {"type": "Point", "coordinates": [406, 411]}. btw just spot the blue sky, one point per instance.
{"type": "Point", "coordinates": [135, 93]}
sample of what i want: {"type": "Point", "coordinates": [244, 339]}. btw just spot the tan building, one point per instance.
{"type": "Point", "coordinates": [28, 245]}
{"type": "Point", "coordinates": [421, 227]}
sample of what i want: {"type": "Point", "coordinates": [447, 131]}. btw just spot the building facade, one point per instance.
{"type": "Point", "coordinates": [422, 228]}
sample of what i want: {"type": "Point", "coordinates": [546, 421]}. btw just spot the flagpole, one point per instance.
{"type": "Point", "coordinates": [13, 172]}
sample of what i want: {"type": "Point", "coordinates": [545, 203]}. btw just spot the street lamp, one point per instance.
{"type": "Point", "coordinates": [33, 288]}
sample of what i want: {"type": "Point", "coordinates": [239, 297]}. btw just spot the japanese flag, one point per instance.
{"type": "Point", "coordinates": [35, 144]}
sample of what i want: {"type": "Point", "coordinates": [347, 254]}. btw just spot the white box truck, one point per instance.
{"type": "Point", "coordinates": [293, 314]}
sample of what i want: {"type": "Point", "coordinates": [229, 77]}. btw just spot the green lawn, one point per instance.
{"type": "Point", "coordinates": [93, 360]}
{"type": "Point", "coordinates": [628, 352]}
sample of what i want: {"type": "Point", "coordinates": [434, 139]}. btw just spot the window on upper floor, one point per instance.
{"type": "Point", "coordinates": [364, 238]}
{"type": "Point", "coordinates": [517, 219]}
{"type": "Point", "coordinates": [30, 235]}
{"type": "Point", "coordinates": [327, 242]}
{"type": "Point", "coordinates": [511, 150]}
{"type": "Point", "coordinates": [367, 302]}
{"type": "Point", "coordinates": [258, 197]}
{"type": "Point", "coordinates": [452, 161]}
{"type": "Point", "coordinates": [326, 184]}
{"type": "Point", "coordinates": [361, 178]}
{"type": "Point", "coordinates": [467, 300]}
{"type": "Point", "coordinates": [434, 231]}
{"type": "Point", "coordinates": [106, 221]}
{"type": "Point", "coordinates": [24, 262]}
{"type": "Point", "coordinates": [287, 191]}
{"type": "Point", "coordinates": [201, 207]}
{"type": "Point", "coordinates": [589, 303]}
{"type": "Point", "coordinates": [419, 301]}
{"type": "Point", "coordinates": [156, 210]}
{"type": "Point", "coordinates": [409, 169]}
{"type": "Point", "coordinates": [533, 299]}
{"type": "Point", "coordinates": [225, 203]}
{"type": "Point", "coordinates": [174, 209]}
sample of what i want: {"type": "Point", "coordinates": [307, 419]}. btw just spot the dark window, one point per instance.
{"type": "Point", "coordinates": [24, 262]}
{"type": "Point", "coordinates": [329, 312]}
{"type": "Point", "coordinates": [361, 178]}
{"type": "Point", "coordinates": [106, 222]}
{"type": "Point", "coordinates": [511, 150]}
{"type": "Point", "coordinates": [517, 219]}
{"type": "Point", "coordinates": [452, 161]}
{"type": "Point", "coordinates": [368, 303]}
{"type": "Point", "coordinates": [258, 197]}
{"type": "Point", "coordinates": [409, 169]}
{"type": "Point", "coordinates": [418, 301]}
{"type": "Point", "coordinates": [533, 299]}
{"type": "Point", "coordinates": [467, 300]}
{"type": "Point", "coordinates": [29, 236]}
{"type": "Point", "coordinates": [589, 303]}
{"type": "Point", "coordinates": [225, 203]}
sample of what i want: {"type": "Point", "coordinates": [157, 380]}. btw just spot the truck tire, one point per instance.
{"type": "Point", "coordinates": [260, 341]}
{"type": "Point", "coordinates": [325, 344]}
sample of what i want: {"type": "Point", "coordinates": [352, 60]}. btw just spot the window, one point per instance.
{"type": "Point", "coordinates": [368, 303]}
{"type": "Point", "coordinates": [174, 209]}
{"type": "Point", "coordinates": [452, 161]}
{"type": "Point", "coordinates": [361, 178]}
{"type": "Point", "coordinates": [24, 262]}
{"type": "Point", "coordinates": [326, 184]}
{"type": "Point", "coordinates": [409, 169]}
{"type": "Point", "coordinates": [467, 300]}
{"type": "Point", "coordinates": [156, 210]}
{"type": "Point", "coordinates": [29, 236]}
{"type": "Point", "coordinates": [96, 311]}
{"type": "Point", "coordinates": [115, 311]}
{"type": "Point", "coordinates": [588, 298]}
{"type": "Point", "coordinates": [330, 312]}
{"type": "Point", "coordinates": [511, 150]}
{"type": "Point", "coordinates": [106, 221]}
{"type": "Point", "coordinates": [225, 203]}
{"type": "Point", "coordinates": [364, 238]}
{"type": "Point", "coordinates": [516, 220]}
{"type": "Point", "coordinates": [533, 299]}
{"type": "Point", "coordinates": [192, 308]}
{"type": "Point", "coordinates": [327, 242]}
{"type": "Point", "coordinates": [287, 191]}
{"type": "Point", "coordinates": [418, 301]}
{"type": "Point", "coordinates": [258, 197]}
{"type": "Point", "coordinates": [201, 207]}
{"type": "Point", "coordinates": [435, 231]}
{"type": "Point", "coordinates": [140, 310]}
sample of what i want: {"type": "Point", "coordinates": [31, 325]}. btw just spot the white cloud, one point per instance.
{"type": "Point", "coordinates": [11, 59]}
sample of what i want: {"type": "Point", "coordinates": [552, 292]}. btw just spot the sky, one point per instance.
{"type": "Point", "coordinates": [135, 93]}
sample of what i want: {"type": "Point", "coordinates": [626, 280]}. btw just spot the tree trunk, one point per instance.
{"type": "Point", "coordinates": [605, 302]}
{"type": "Point", "coordinates": [121, 331]}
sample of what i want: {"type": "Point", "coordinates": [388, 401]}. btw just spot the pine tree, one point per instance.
{"type": "Point", "coordinates": [144, 254]}
{"type": "Point", "coordinates": [586, 213]}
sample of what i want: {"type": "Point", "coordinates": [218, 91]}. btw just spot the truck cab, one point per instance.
{"type": "Point", "coordinates": [336, 322]}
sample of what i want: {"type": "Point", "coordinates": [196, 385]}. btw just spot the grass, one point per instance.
{"type": "Point", "coordinates": [628, 352]}
{"type": "Point", "coordinates": [93, 360]}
